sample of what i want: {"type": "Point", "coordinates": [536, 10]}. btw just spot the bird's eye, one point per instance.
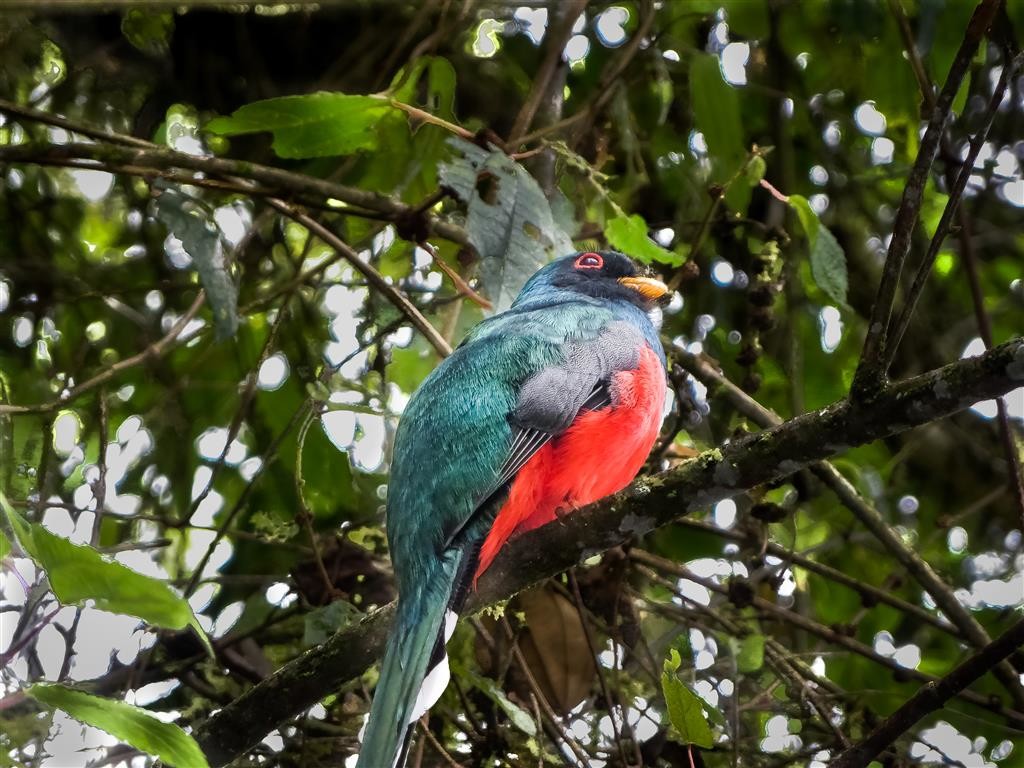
{"type": "Point", "coordinates": [589, 261]}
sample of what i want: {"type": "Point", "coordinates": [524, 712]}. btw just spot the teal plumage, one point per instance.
{"type": "Point", "coordinates": [453, 444]}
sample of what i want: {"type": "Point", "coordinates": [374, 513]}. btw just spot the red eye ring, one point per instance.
{"type": "Point", "coordinates": [589, 260]}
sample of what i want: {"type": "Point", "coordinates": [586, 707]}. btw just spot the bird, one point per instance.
{"type": "Point", "coordinates": [542, 409]}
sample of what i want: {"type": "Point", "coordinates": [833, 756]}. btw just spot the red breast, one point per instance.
{"type": "Point", "coordinates": [597, 456]}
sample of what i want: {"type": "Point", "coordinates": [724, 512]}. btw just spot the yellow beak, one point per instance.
{"type": "Point", "coordinates": [647, 287]}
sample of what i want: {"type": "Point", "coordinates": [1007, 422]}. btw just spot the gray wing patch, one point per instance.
{"type": "Point", "coordinates": [550, 399]}
{"type": "Point", "coordinates": [527, 440]}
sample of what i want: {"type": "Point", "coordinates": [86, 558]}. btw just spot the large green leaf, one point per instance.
{"type": "Point", "coordinates": [200, 237]}
{"type": "Point", "coordinates": [510, 221]}
{"type": "Point", "coordinates": [314, 125]}
{"type": "Point", "coordinates": [132, 725]}
{"type": "Point", "coordinates": [518, 716]}
{"type": "Point", "coordinates": [716, 111]}
{"type": "Point", "coordinates": [629, 235]}
{"type": "Point", "coordinates": [828, 262]}
{"type": "Point", "coordinates": [79, 573]}
{"type": "Point", "coordinates": [685, 710]}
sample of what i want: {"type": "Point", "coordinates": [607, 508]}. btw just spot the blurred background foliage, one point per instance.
{"type": "Point", "coordinates": [238, 449]}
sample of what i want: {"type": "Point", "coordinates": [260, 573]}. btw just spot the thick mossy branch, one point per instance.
{"type": "Point", "coordinates": [649, 503]}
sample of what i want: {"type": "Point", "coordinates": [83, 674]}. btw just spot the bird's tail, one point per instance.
{"type": "Point", "coordinates": [414, 672]}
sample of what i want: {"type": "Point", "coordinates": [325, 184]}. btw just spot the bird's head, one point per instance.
{"type": "Point", "coordinates": [605, 275]}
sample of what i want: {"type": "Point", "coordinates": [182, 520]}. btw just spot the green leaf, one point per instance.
{"type": "Point", "coordinates": [149, 31]}
{"type": "Point", "coordinates": [510, 223]}
{"type": "Point", "coordinates": [685, 709]}
{"type": "Point", "coordinates": [756, 169]}
{"type": "Point", "coordinates": [629, 235]}
{"type": "Point", "coordinates": [750, 653]}
{"type": "Point", "coordinates": [315, 125]}
{"type": "Point", "coordinates": [828, 262]}
{"type": "Point", "coordinates": [321, 623]}
{"type": "Point", "coordinates": [520, 718]}
{"type": "Point", "coordinates": [199, 236]}
{"type": "Point", "coordinates": [716, 112]}
{"type": "Point", "coordinates": [828, 266]}
{"type": "Point", "coordinates": [441, 88]}
{"type": "Point", "coordinates": [132, 725]}
{"type": "Point", "coordinates": [5, 545]}
{"type": "Point", "coordinates": [79, 573]}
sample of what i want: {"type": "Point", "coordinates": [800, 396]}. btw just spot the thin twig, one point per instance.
{"type": "Point", "coordinates": [592, 647]}
{"type": "Point", "coordinates": [304, 512]}
{"type": "Point", "coordinates": [554, 47]}
{"type": "Point", "coordinates": [99, 488]}
{"type": "Point", "coordinates": [460, 283]}
{"type": "Point", "coordinates": [448, 759]}
{"type": "Point", "coordinates": [955, 193]}
{"type": "Point", "coordinates": [827, 634]}
{"type": "Point", "coordinates": [870, 518]}
{"type": "Point", "coordinates": [970, 261]}
{"type": "Point", "coordinates": [247, 397]}
{"type": "Point", "coordinates": [870, 375]}
{"type": "Point", "coordinates": [373, 277]}
{"type": "Point", "coordinates": [549, 713]}
{"type": "Point", "coordinates": [425, 117]}
{"type": "Point", "coordinates": [154, 351]}
{"type": "Point", "coordinates": [932, 697]}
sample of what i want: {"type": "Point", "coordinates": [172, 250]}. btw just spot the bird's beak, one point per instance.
{"type": "Point", "coordinates": [647, 287]}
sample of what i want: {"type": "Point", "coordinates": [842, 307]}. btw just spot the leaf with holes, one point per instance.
{"type": "Point", "coordinates": [510, 223]}
{"type": "Point", "coordinates": [828, 262]}
{"type": "Point", "coordinates": [685, 710]}
{"type": "Point", "coordinates": [186, 220]}
{"type": "Point", "coordinates": [132, 725]}
{"type": "Point", "coordinates": [629, 235]}
{"type": "Point", "coordinates": [313, 125]}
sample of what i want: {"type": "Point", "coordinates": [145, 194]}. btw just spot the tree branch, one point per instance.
{"type": "Point", "coordinates": [284, 183]}
{"type": "Point", "coordinates": [649, 503]}
{"type": "Point", "coordinates": [870, 518]}
{"type": "Point", "coordinates": [931, 697]}
{"type": "Point", "coordinates": [955, 192]}
{"type": "Point", "coordinates": [154, 351]}
{"type": "Point", "coordinates": [871, 370]}
{"type": "Point", "coordinates": [557, 36]}
{"type": "Point", "coordinates": [373, 277]}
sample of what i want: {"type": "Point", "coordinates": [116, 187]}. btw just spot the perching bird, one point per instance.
{"type": "Point", "coordinates": [544, 408]}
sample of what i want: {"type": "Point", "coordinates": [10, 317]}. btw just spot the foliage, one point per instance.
{"type": "Point", "coordinates": [198, 393]}
{"type": "Point", "coordinates": [132, 724]}
{"type": "Point", "coordinates": [79, 573]}
{"type": "Point", "coordinates": [685, 710]}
